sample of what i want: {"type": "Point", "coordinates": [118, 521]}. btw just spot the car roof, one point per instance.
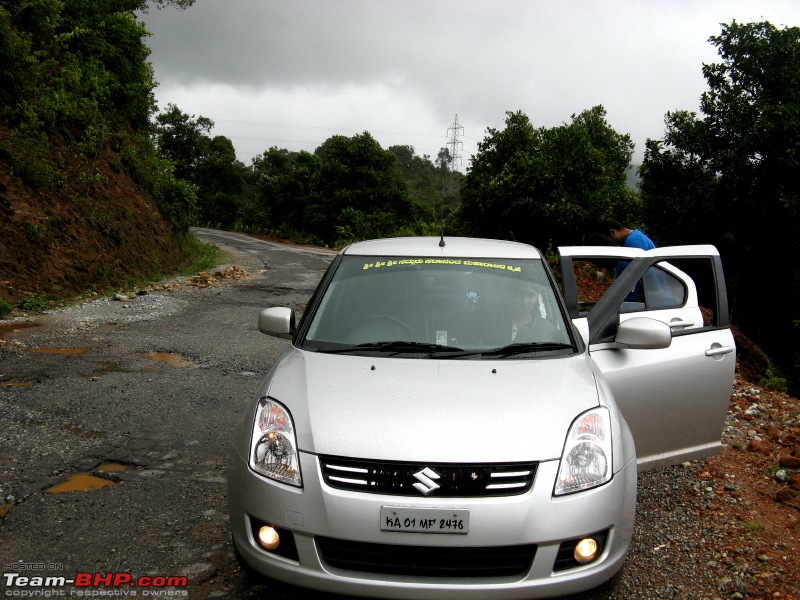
{"type": "Point", "coordinates": [462, 247]}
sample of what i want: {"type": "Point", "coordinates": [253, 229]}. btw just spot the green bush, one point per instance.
{"type": "Point", "coordinates": [177, 201]}
{"type": "Point", "coordinates": [36, 232]}
{"type": "Point", "coordinates": [5, 308]}
{"type": "Point", "coordinates": [774, 381]}
{"type": "Point", "coordinates": [33, 304]}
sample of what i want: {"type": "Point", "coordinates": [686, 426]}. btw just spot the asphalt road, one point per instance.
{"type": "Point", "coordinates": [139, 396]}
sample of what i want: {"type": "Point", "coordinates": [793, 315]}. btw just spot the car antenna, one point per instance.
{"type": "Point", "coordinates": [441, 240]}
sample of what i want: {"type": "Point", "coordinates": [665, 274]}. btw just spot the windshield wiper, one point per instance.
{"type": "Point", "coordinates": [400, 346]}
{"type": "Point", "coordinates": [521, 348]}
{"type": "Point", "coordinates": [510, 350]}
{"type": "Point", "coordinates": [440, 351]}
{"type": "Point", "coordinates": [396, 347]}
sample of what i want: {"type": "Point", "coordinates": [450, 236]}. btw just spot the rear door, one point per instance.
{"type": "Point", "coordinates": [674, 399]}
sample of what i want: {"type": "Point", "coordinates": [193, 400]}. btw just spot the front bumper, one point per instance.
{"type": "Point", "coordinates": [318, 513]}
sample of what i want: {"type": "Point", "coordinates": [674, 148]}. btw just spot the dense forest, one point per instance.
{"type": "Point", "coordinates": [348, 189]}
{"type": "Point", "coordinates": [99, 187]}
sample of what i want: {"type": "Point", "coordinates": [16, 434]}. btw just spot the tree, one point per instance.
{"type": "Point", "coordinates": [220, 180]}
{"type": "Point", "coordinates": [75, 74]}
{"type": "Point", "coordinates": [360, 191]}
{"type": "Point", "coordinates": [429, 184]}
{"type": "Point", "coordinates": [207, 163]}
{"type": "Point", "coordinates": [74, 64]}
{"type": "Point", "coordinates": [285, 182]}
{"type": "Point", "coordinates": [548, 186]}
{"type": "Point", "coordinates": [730, 178]}
{"type": "Point", "coordinates": [182, 140]}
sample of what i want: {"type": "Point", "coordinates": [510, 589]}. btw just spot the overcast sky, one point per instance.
{"type": "Point", "coordinates": [292, 73]}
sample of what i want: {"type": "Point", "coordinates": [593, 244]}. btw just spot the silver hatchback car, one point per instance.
{"type": "Point", "coordinates": [452, 419]}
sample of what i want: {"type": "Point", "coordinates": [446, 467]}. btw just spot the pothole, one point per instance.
{"type": "Point", "coordinates": [60, 351]}
{"type": "Point", "coordinates": [170, 358]}
{"type": "Point", "coordinates": [106, 367]}
{"type": "Point", "coordinates": [83, 482]}
{"type": "Point", "coordinates": [92, 435]}
{"type": "Point", "coordinates": [80, 482]}
{"type": "Point", "coordinates": [112, 468]}
{"type": "Point", "coordinates": [14, 326]}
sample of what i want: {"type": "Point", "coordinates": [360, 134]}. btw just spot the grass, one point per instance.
{"type": "Point", "coordinates": [5, 308]}
{"type": "Point", "coordinates": [34, 304]}
{"type": "Point", "coordinates": [36, 232]}
{"type": "Point", "coordinates": [754, 526]}
{"type": "Point", "coordinates": [203, 256]}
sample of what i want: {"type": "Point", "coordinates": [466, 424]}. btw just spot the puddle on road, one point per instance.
{"type": "Point", "coordinates": [61, 351]}
{"type": "Point", "coordinates": [107, 366]}
{"type": "Point", "coordinates": [13, 327]}
{"type": "Point", "coordinates": [82, 482]}
{"type": "Point", "coordinates": [57, 351]}
{"type": "Point", "coordinates": [170, 358]}
{"type": "Point", "coordinates": [15, 384]}
{"type": "Point", "coordinates": [112, 366]}
{"type": "Point", "coordinates": [112, 468]}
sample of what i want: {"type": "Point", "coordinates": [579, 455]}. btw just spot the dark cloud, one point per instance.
{"type": "Point", "coordinates": [403, 65]}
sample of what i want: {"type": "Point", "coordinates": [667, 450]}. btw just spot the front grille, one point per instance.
{"type": "Point", "coordinates": [425, 479]}
{"type": "Point", "coordinates": [424, 561]}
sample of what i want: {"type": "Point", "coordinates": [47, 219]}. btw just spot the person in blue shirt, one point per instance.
{"type": "Point", "coordinates": [625, 236]}
{"type": "Point", "coordinates": [629, 238]}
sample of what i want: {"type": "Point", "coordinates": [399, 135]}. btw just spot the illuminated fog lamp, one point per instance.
{"type": "Point", "coordinates": [268, 538]}
{"type": "Point", "coordinates": [585, 551]}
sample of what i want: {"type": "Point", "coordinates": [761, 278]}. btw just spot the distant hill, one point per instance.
{"type": "Point", "coordinates": [633, 177]}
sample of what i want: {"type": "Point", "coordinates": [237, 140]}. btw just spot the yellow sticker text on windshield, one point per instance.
{"type": "Point", "coordinates": [441, 261]}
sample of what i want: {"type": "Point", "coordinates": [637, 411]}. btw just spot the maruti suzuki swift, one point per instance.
{"type": "Point", "coordinates": [453, 418]}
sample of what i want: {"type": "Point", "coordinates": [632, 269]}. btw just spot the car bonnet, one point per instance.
{"type": "Point", "coordinates": [433, 410]}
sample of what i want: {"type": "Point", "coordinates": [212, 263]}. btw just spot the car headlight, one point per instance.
{"type": "Point", "coordinates": [273, 445]}
{"type": "Point", "coordinates": [586, 459]}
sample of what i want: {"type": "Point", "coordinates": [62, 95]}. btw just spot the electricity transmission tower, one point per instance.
{"type": "Point", "coordinates": [454, 144]}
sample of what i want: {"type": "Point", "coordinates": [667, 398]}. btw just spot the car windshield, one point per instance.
{"type": "Point", "coordinates": [438, 308]}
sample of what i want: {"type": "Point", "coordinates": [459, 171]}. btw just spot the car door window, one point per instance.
{"type": "Point", "coordinates": [674, 399]}
{"type": "Point", "coordinates": [667, 292]}
{"type": "Point", "coordinates": [661, 288]}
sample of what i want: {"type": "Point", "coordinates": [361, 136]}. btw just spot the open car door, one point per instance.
{"type": "Point", "coordinates": [673, 398]}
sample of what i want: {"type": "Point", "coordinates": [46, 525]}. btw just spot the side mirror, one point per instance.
{"type": "Point", "coordinates": [644, 333]}
{"type": "Point", "coordinates": [277, 321]}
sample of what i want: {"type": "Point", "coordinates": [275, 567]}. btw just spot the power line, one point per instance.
{"type": "Point", "coordinates": [452, 141]}
{"type": "Point", "coordinates": [328, 129]}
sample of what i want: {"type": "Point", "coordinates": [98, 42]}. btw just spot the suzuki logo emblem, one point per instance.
{"type": "Point", "coordinates": [426, 483]}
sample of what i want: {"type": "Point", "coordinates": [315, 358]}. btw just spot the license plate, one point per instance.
{"type": "Point", "coordinates": [424, 520]}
